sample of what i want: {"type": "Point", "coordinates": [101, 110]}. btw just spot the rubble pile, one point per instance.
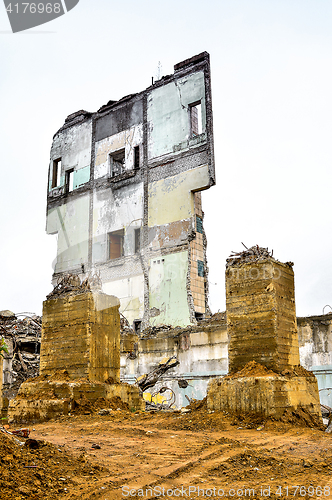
{"type": "Point", "coordinates": [22, 334]}
{"type": "Point", "coordinates": [71, 283]}
{"type": "Point", "coordinates": [251, 254]}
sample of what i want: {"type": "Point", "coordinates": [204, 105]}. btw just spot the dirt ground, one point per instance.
{"type": "Point", "coordinates": [196, 454]}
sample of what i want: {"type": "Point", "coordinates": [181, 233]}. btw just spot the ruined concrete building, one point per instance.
{"type": "Point", "coordinates": [124, 196]}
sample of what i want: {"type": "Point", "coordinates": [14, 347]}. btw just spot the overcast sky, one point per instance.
{"type": "Point", "coordinates": [271, 64]}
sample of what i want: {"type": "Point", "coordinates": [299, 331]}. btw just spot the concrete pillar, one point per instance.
{"type": "Point", "coordinates": [261, 316]}
{"type": "Point", "coordinates": [81, 334]}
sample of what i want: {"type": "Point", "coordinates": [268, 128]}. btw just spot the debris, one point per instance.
{"type": "Point", "coordinates": [105, 411]}
{"type": "Point", "coordinates": [148, 380]}
{"type": "Point", "coordinates": [7, 314]}
{"type": "Point", "coordinates": [21, 432]}
{"type": "Point", "coordinates": [22, 335]}
{"type": "Point", "coordinates": [95, 446]}
{"type": "Point", "coordinates": [254, 253]}
{"type": "Point", "coordinates": [71, 283]}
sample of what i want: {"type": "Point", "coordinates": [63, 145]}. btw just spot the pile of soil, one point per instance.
{"type": "Point", "coordinates": [36, 469]}
{"type": "Point", "coordinates": [83, 406]}
{"type": "Point", "coordinates": [251, 369]}
{"type": "Point", "coordinates": [93, 456]}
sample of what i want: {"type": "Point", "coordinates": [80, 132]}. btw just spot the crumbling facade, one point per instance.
{"type": "Point", "coordinates": [124, 196]}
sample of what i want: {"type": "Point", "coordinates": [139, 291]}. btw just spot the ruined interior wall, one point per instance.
{"type": "Point", "coordinates": [127, 140]}
{"type": "Point", "coordinates": [81, 334]}
{"type": "Point", "coordinates": [171, 199]}
{"type": "Point", "coordinates": [201, 351]}
{"type": "Point", "coordinates": [115, 209]}
{"type": "Point", "coordinates": [73, 146]}
{"type": "Point", "coordinates": [315, 342]}
{"type": "Point", "coordinates": [171, 123]}
{"type": "Point", "coordinates": [168, 290]}
{"type": "Point", "coordinates": [261, 315]}
{"type": "Point", "coordinates": [71, 222]}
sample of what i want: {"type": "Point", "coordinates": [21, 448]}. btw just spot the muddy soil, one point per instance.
{"type": "Point", "coordinates": [196, 454]}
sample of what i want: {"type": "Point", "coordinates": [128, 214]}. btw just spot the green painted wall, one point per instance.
{"type": "Point", "coordinates": [81, 176]}
{"type": "Point", "coordinates": [168, 113]}
{"type": "Point", "coordinates": [71, 223]}
{"type": "Point", "coordinates": [168, 291]}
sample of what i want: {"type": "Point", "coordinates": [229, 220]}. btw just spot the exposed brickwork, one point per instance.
{"type": "Point", "coordinates": [197, 254]}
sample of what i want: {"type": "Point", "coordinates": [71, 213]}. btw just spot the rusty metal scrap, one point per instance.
{"type": "Point", "coordinates": [148, 380]}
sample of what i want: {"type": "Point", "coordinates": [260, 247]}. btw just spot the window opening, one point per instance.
{"type": "Point", "coordinates": [115, 244]}
{"type": "Point", "coordinates": [195, 119]}
{"type": "Point", "coordinates": [69, 180]}
{"type": "Point", "coordinates": [199, 316]}
{"type": "Point", "coordinates": [136, 157]}
{"type": "Point", "coordinates": [137, 325]}
{"type": "Point", "coordinates": [137, 240]}
{"type": "Point", "coordinates": [56, 172]}
{"type": "Point", "coordinates": [117, 162]}
{"type": "Point", "coordinates": [199, 224]}
{"type": "Point", "coordinates": [200, 268]}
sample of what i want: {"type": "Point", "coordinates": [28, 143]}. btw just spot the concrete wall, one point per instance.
{"type": "Point", "coordinates": [81, 334]}
{"type": "Point", "coordinates": [201, 351]}
{"type": "Point", "coordinates": [169, 114]}
{"type": "Point", "coordinates": [261, 315]}
{"type": "Point", "coordinates": [73, 146]}
{"type": "Point", "coordinates": [315, 342]}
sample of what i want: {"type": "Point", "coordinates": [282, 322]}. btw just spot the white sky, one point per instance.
{"type": "Point", "coordinates": [271, 63]}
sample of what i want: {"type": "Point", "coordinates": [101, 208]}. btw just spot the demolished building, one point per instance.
{"type": "Point", "coordinates": [124, 196]}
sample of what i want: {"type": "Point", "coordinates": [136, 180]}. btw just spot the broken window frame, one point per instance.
{"type": "Point", "coordinates": [56, 173]}
{"type": "Point", "coordinates": [195, 119]}
{"type": "Point", "coordinates": [136, 158]}
{"type": "Point", "coordinates": [115, 244]}
{"type": "Point", "coordinates": [200, 268]}
{"type": "Point", "coordinates": [69, 183]}
{"type": "Point", "coordinates": [199, 224]}
{"type": "Point", "coordinates": [137, 239]}
{"type": "Point", "coordinates": [117, 161]}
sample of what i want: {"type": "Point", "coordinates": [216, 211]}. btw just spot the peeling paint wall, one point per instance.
{"type": "Point", "coordinates": [172, 199]}
{"type": "Point", "coordinates": [136, 167]}
{"type": "Point", "coordinates": [73, 146]}
{"type": "Point", "coordinates": [168, 291]}
{"type": "Point", "coordinates": [168, 114]}
{"type": "Point", "coordinates": [71, 223]}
